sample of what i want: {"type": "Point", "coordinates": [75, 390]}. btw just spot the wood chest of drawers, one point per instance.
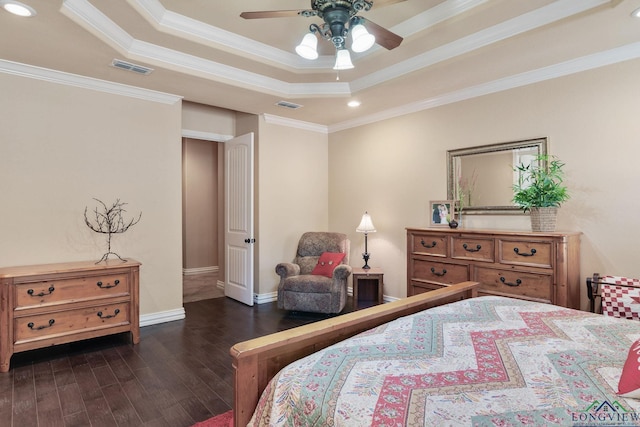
{"type": "Point", "coordinates": [50, 304]}
{"type": "Point", "coordinates": [542, 267]}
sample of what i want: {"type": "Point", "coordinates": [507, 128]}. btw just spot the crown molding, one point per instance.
{"type": "Point", "coordinates": [87, 16]}
{"type": "Point", "coordinates": [577, 65]}
{"type": "Point", "coordinates": [441, 12]}
{"type": "Point", "coordinates": [97, 23]}
{"type": "Point", "coordinates": [292, 123]}
{"type": "Point", "coordinates": [205, 136]}
{"type": "Point", "coordinates": [60, 77]}
{"type": "Point", "coordinates": [526, 22]}
{"type": "Point", "coordinates": [182, 26]}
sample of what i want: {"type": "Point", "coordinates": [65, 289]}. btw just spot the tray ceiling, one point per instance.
{"type": "Point", "coordinates": [206, 53]}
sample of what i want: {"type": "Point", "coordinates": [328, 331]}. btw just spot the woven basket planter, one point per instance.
{"type": "Point", "coordinates": [544, 219]}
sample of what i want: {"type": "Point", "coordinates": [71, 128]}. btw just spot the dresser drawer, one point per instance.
{"type": "Point", "coordinates": [470, 248]}
{"type": "Point", "coordinates": [537, 287]}
{"type": "Point", "coordinates": [61, 323]}
{"type": "Point", "coordinates": [429, 244]}
{"type": "Point", "coordinates": [440, 272]}
{"type": "Point", "coordinates": [538, 254]}
{"type": "Point", "coordinates": [37, 294]}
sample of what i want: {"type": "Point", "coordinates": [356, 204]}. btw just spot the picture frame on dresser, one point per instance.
{"type": "Point", "coordinates": [441, 212]}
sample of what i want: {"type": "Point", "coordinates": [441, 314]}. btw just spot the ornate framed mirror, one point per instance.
{"type": "Point", "coordinates": [484, 175]}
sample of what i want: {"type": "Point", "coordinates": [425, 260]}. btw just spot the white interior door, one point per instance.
{"type": "Point", "coordinates": [239, 239]}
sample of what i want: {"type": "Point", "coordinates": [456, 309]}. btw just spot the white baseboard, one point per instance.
{"type": "Point", "coordinates": [200, 270]}
{"type": "Point", "coordinates": [162, 317]}
{"type": "Point", "coordinates": [264, 298]}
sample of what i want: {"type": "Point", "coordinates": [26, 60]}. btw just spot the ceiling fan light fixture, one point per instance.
{"type": "Point", "coordinates": [308, 47]}
{"type": "Point", "coordinates": [343, 60]}
{"type": "Point", "coordinates": [362, 40]}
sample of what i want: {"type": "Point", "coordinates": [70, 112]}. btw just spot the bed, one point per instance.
{"type": "Point", "coordinates": [466, 361]}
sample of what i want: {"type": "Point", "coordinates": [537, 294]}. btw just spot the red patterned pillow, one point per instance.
{"type": "Point", "coordinates": [327, 263]}
{"type": "Point", "coordinates": [629, 384]}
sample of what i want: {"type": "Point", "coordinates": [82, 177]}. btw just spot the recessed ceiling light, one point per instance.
{"type": "Point", "coordinates": [18, 8]}
{"type": "Point", "coordinates": [636, 13]}
{"type": "Point", "coordinates": [353, 104]}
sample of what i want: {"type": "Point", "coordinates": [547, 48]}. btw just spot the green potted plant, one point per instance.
{"type": "Point", "coordinates": [540, 190]}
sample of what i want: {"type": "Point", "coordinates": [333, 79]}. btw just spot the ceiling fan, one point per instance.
{"type": "Point", "coordinates": [340, 18]}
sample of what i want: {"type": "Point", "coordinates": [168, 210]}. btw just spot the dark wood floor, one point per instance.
{"type": "Point", "coordinates": [179, 374]}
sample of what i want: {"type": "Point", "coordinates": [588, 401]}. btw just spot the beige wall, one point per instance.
{"type": "Point", "coordinates": [207, 119]}
{"type": "Point", "coordinates": [393, 168]}
{"type": "Point", "coordinates": [293, 194]}
{"type": "Point", "coordinates": [200, 204]}
{"type": "Point", "coordinates": [61, 146]}
{"type": "Point", "coordinates": [67, 145]}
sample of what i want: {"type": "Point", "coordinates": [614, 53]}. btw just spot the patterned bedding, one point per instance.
{"type": "Point", "coordinates": [486, 361]}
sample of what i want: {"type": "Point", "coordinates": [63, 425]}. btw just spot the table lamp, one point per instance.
{"type": "Point", "coordinates": [366, 226]}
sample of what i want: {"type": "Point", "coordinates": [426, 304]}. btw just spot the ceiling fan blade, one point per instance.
{"type": "Point", "coordinates": [383, 3]}
{"type": "Point", "coordinates": [270, 14]}
{"type": "Point", "coordinates": [384, 37]}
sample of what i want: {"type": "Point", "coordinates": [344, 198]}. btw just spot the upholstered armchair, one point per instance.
{"type": "Point", "coordinates": [316, 280]}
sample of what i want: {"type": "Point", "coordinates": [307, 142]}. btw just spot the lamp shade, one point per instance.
{"type": "Point", "coordinates": [308, 47]}
{"type": "Point", "coordinates": [366, 225]}
{"type": "Point", "coordinates": [362, 40]}
{"type": "Point", "coordinates": [343, 60]}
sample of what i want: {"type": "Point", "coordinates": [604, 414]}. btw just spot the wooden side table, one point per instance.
{"type": "Point", "coordinates": [367, 287]}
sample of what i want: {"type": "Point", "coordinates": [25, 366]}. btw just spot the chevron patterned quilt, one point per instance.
{"type": "Point", "coordinates": [486, 361]}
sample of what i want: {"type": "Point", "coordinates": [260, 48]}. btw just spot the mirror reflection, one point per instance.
{"type": "Point", "coordinates": [481, 178]}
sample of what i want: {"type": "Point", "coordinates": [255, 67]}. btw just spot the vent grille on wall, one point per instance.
{"type": "Point", "coordinates": [286, 104]}
{"type": "Point", "coordinates": [140, 69]}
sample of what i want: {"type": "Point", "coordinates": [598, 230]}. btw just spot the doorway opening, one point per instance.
{"type": "Point", "coordinates": [202, 219]}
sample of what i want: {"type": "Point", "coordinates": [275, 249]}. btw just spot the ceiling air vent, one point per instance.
{"type": "Point", "coordinates": [286, 104]}
{"type": "Point", "coordinates": [140, 69]}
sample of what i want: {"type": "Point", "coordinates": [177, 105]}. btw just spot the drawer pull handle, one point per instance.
{"type": "Point", "coordinates": [41, 294]}
{"type": "Point", "coordinates": [433, 244]}
{"type": "Point", "coordinates": [503, 280]}
{"type": "Point", "coordinates": [478, 247]}
{"type": "Point", "coordinates": [444, 271]}
{"type": "Point", "coordinates": [109, 316]}
{"type": "Point", "coordinates": [107, 286]}
{"type": "Point", "coordinates": [39, 328]}
{"type": "Point", "coordinates": [517, 251]}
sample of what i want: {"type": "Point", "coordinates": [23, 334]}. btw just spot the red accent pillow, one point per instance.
{"type": "Point", "coordinates": [629, 384]}
{"type": "Point", "coordinates": [327, 263]}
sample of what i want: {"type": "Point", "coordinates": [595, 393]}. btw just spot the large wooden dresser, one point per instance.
{"type": "Point", "coordinates": [50, 304]}
{"type": "Point", "coordinates": [542, 267]}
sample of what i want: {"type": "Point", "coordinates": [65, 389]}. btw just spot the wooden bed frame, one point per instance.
{"type": "Point", "coordinates": [258, 360]}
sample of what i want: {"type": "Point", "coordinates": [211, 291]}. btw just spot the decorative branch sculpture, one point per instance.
{"type": "Point", "coordinates": [110, 221]}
